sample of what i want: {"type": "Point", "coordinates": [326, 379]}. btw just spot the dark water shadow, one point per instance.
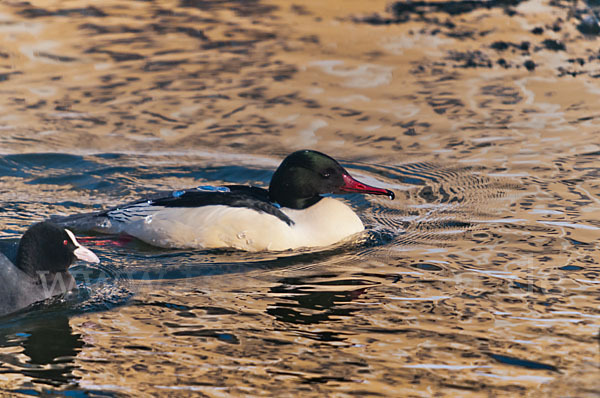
{"type": "Point", "coordinates": [48, 342]}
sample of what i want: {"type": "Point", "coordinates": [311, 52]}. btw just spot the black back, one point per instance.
{"type": "Point", "coordinates": [298, 183]}
{"type": "Point", "coordinates": [45, 247]}
{"type": "Point", "coordinates": [235, 196]}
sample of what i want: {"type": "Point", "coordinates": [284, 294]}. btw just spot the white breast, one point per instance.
{"type": "Point", "coordinates": [322, 224]}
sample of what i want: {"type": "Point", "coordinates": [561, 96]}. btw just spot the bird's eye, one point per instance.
{"type": "Point", "coordinates": [65, 242]}
{"type": "Point", "coordinates": [326, 173]}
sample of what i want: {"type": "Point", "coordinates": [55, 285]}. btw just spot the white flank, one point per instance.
{"type": "Point", "coordinates": [327, 222]}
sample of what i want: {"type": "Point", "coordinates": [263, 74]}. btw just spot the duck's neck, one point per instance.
{"type": "Point", "coordinates": [297, 203]}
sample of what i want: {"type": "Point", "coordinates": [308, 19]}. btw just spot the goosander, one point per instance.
{"type": "Point", "coordinates": [40, 270]}
{"type": "Point", "coordinates": [291, 214]}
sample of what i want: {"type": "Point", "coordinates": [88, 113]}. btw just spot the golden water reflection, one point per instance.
{"type": "Point", "coordinates": [485, 281]}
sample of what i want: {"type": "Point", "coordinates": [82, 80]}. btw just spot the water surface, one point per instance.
{"type": "Point", "coordinates": [480, 279]}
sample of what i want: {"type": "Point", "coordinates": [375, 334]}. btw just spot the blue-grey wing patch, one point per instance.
{"type": "Point", "coordinates": [133, 211]}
